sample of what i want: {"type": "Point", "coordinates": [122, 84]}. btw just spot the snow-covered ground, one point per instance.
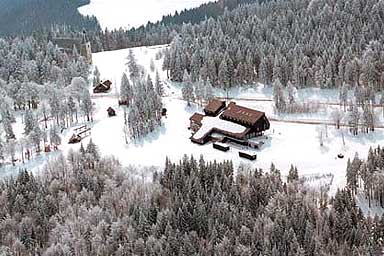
{"type": "Point", "coordinates": [284, 143]}
{"type": "Point", "coordinates": [114, 14]}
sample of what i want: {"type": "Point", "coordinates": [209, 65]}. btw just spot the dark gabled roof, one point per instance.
{"type": "Point", "coordinates": [242, 114]}
{"type": "Point", "coordinates": [196, 117]}
{"type": "Point", "coordinates": [107, 83]}
{"type": "Point", "coordinates": [102, 86]}
{"type": "Point", "coordinates": [214, 106]}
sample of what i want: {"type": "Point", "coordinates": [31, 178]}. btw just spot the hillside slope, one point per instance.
{"type": "Point", "coordinates": [26, 16]}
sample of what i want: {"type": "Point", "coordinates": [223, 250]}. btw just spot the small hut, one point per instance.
{"type": "Point", "coordinates": [123, 103]}
{"type": "Point", "coordinates": [74, 139]}
{"type": "Point", "coordinates": [102, 87]}
{"type": "Point", "coordinates": [80, 133]}
{"type": "Point", "coordinates": [163, 111]}
{"type": "Point", "coordinates": [111, 112]}
{"type": "Point", "coordinates": [47, 148]}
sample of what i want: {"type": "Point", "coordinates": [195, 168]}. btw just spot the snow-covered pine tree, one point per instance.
{"type": "Point", "coordinates": [354, 118]}
{"type": "Point", "coordinates": [187, 91]}
{"type": "Point", "coordinates": [293, 174]}
{"type": "Point", "coordinates": [278, 96]}
{"type": "Point", "coordinates": [2, 144]}
{"type": "Point", "coordinates": [159, 85]}
{"type": "Point", "coordinates": [36, 136]}
{"type": "Point", "coordinates": [208, 90]}
{"type": "Point", "coordinates": [7, 125]}
{"type": "Point", "coordinates": [226, 72]}
{"type": "Point", "coordinates": [291, 93]}
{"type": "Point", "coordinates": [87, 106]}
{"type": "Point", "coordinates": [132, 65]}
{"type": "Point", "coordinates": [149, 85]}
{"type": "Point", "coordinates": [343, 95]}
{"type": "Point", "coordinates": [54, 136]}
{"type": "Point", "coordinates": [152, 66]}
{"type": "Point", "coordinates": [199, 91]}
{"type": "Point", "coordinates": [29, 122]}
{"type": "Point", "coordinates": [126, 90]}
{"type": "Point", "coordinates": [93, 151]}
{"type": "Point", "coordinates": [96, 76]}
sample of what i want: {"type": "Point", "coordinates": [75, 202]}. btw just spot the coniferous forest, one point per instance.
{"type": "Point", "coordinates": [90, 205]}
{"type": "Point", "coordinates": [308, 43]}
{"type": "Point", "coordinates": [24, 17]}
{"type": "Point", "coordinates": [85, 203]}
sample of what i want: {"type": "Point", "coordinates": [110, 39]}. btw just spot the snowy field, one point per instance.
{"type": "Point", "coordinates": [115, 14]}
{"type": "Point", "coordinates": [284, 144]}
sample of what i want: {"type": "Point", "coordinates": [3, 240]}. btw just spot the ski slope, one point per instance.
{"type": "Point", "coordinates": [115, 14]}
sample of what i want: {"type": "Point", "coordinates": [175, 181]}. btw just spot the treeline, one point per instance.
{"type": "Point", "coordinates": [25, 17]}
{"type": "Point", "coordinates": [204, 11]}
{"type": "Point", "coordinates": [368, 175]}
{"type": "Point", "coordinates": [308, 43]}
{"type": "Point", "coordinates": [88, 205]}
{"type": "Point", "coordinates": [161, 32]}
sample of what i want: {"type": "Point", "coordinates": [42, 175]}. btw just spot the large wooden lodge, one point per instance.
{"type": "Point", "coordinates": [234, 122]}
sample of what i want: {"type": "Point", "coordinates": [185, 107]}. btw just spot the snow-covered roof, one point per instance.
{"type": "Point", "coordinates": [210, 122]}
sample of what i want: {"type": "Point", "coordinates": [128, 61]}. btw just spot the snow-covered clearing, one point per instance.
{"type": "Point", "coordinates": [113, 14]}
{"type": "Point", "coordinates": [284, 143]}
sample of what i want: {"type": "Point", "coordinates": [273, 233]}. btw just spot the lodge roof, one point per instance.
{"type": "Point", "coordinates": [241, 114]}
{"type": "Point", "coordinates": [214, 106]}
{"type": "Point", "coordinates": [107, 83]}
{"type": "Point", "coordinates": [196, 117]}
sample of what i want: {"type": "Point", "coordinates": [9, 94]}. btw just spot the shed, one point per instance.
{"type": "Point", "coordinates": [74, 139]}
{"type": "Point", "coordinates": [163, 111]}
{"type": "Point", "coordinates": [111, 112]}
{"type": "Point", "coordinates": [102, 87]}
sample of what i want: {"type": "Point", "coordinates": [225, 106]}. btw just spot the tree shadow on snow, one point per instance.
{"type": "Point", "coordinates": [149, 138]}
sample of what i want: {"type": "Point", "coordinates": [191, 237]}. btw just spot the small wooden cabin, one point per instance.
{"type": "Point", "coordinates": [80, 133]}
{"type": "Point", "coordinates": [163, 111]}
{"type": "Point", "coordinates": [123, 103]}
{"type": "Point", "coordinates": [111, 112]}
{"type": "Point", "coordinates": [74, 139]}
{"type": "Point", "coordinates": [102, 87]}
